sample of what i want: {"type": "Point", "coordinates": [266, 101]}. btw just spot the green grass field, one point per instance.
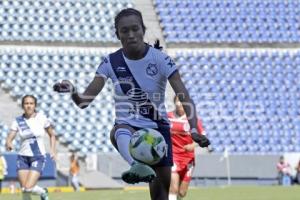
{"type": "Point", "coordinates": [209, 193]}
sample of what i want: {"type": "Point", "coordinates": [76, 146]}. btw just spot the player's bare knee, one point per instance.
{"type": "Point", "coordinates": [174, 190]}
{"type": "Point", "coordinates": [182, 193]}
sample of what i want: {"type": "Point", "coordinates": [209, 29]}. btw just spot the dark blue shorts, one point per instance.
{"type": "Point", "coordinates": [168, 159]}
{"type": "Point", "coordinates": [36, 163]}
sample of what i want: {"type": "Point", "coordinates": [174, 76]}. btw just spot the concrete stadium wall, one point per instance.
{"type": "Point", "coordinates": [210, 168]}
{"type": "Point", "coordinates": [241, 166]}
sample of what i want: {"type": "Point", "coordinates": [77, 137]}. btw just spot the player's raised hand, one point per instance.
{"type": "Point", "coordinates": [202, 140]}
{"type": "Point", "coordinates": [64, 86]}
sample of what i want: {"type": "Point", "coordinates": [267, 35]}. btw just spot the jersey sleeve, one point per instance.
{"type": "Point", "coordinates": [103, 69]}
{"type": "Point", "coordinates": [167, 65]}
{"type": "Point", "coordinates": [14, 126]}
{"type": "Point", "coordinates": [45, 120]}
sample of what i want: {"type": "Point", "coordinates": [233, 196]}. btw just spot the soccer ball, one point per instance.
{"type": "Point", "coordinates": [147, 146]}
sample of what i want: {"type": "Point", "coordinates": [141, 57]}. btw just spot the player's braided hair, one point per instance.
{"type": "Point", "coordinates": [127, 12]}
{"type": "Point", "coordinates": [156, 45]}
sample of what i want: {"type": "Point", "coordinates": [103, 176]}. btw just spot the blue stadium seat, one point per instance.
{"type": "Point", "coordinates": [60, 20]}
{"type": "Point", "coordinates": [29, 72]}
{"type": "Point", "coordinates": [239, 22]}
{"type": "Point", "coordinates": [252, 106]}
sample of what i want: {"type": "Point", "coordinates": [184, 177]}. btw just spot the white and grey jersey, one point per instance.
{"type": "Point", "coordinates": [139, 86]}
{"type": "Point", "coordinates": [31, 132]}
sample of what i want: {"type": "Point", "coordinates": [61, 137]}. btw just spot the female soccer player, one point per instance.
{"type": "Point", "coordinates": [31, 127]}
{"type": "Point", "coordinates": [183, 151]}
{"type": "Point", "coordinates": [139, 73]}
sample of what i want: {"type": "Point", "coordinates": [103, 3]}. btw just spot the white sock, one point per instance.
{"type": "Point", "coordinates": [172, 196]}
{"type": "Point", "coordinates": [122, 137]}
{"type": "Point", "coordinates": [38, 190]}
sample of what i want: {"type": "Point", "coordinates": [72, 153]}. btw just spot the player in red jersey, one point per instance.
{"type": "Point", "coordinates": [183, 151]}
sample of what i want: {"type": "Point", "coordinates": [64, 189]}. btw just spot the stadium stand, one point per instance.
{"type": "Point", "coordinates": [62, 20]}
{"type": "Point", "coordinates": [34, 72]}
{"type": "Point", "coordinates": [248, 100]}
{"type": "Point", "coordinates": [226, 21]}
{"type": "Point", "coordinates": [3, 130]}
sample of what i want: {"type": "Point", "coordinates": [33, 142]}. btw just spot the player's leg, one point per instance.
{"type": "Point", "coordinates": [32, 178]}
{"type": "Point", "coordinates": [159, 187]}
{"type": "Point", "coordinates": [23, 166]}
{"type": "Point", "coordinates": [120, 137]}
{"type": "Point", "coordinates": [184, 186]}
{"type": "Point", "coordinates": [23, 176]}
{"type": "Point", "coordinates": [174, 187]}
{"type": "Point", "coordinates": [75, 182]}
{"type": "Point", "coordinates": [186, 179]}
{"type": "Point", "coordinates": [37, 165]}
{"type": "Point", "coordinates": [32, 187]}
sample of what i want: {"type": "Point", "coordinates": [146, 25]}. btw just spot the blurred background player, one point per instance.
{"type": "Point", "coordinates": [298, 173]}
{"type": "Point", "coordinates": [3, 170]}
{"type": "Point", "coordinates": [31, 128]}
{"type": "Point", "coordinates": [284, 172]}
{"type": "Point", "coordinates": [74, 171]}
{"type": "Point", "coordinates": [183, 151]}
{"type": "Point", "coordinates": [140, 74]}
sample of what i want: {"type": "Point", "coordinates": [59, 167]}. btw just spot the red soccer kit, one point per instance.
{"type": "Point", "coordinates": [184, 161]}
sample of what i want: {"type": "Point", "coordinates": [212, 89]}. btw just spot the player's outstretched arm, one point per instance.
{"type": "Point", "coordinates": [189, 108]}
{"type": "Point", "coordinates": [11, 136]}
{"type": "Point", "coordinates": [184, 97]}
{"type": "Point", "coordinates": [84, 99]}
{"type": "Point", "coordinates": [52, 137]}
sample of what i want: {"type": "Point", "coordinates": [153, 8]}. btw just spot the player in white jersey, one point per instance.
{"type": "Point", "coordinates": [31, 128]}
{"type": "Point", "coordinates": [139, 73]}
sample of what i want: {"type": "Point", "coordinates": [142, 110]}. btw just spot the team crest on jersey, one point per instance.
{"type": "Point", "coordinates": [152, 69]}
